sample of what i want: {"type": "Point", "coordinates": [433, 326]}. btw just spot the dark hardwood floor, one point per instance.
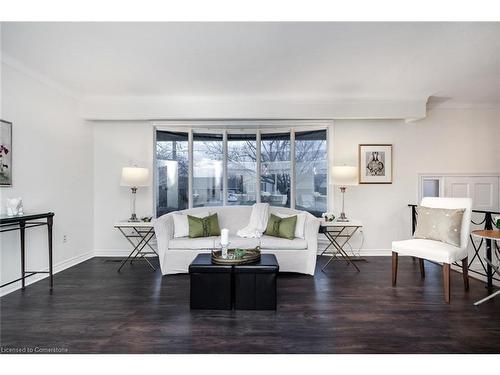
{"type": "Point", "coordinates": [94, 309]}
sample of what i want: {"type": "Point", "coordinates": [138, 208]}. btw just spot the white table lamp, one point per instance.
{"type": "Point", "coordinates": [134, 177]}
{"type": "Point", "coordinates": [344, 176]}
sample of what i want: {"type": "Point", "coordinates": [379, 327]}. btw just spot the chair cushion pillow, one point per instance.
{"type": "Point", "coordinates": [281, 227]}
{"type": "Point", "coordinates": [439, 224]}
{"type": "Point", "coordinates": [181, 224]}
{"type": "Point", "coordinates": [203, 227]}
{"type": "Point", "coordinates": [436, 251]}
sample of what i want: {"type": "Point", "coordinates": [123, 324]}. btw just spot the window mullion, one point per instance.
{"type": "Point", "coordinates": [224, 168]}
{"type": "Point", "coordinates": [257, 175]}
{"type": "Point", "coordinates": [190, 169]}
{"type": "Point", "coordinates": [292, 169]}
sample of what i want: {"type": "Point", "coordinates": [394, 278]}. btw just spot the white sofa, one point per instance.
{"type": "Point", "coordinates": [297, 255]}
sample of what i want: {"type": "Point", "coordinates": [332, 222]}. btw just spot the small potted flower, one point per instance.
{"type": "Point", "coordinates": [328, 216]}
{"type": "Point", "coordinates": [496, 221]}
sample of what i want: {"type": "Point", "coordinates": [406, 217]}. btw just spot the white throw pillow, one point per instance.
{"type": "Point", "coordinates": [300, 226]}
{"type": "Point", "coordinates": [181, 225]}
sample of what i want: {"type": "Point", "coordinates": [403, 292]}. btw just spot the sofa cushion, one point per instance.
{"type": "Point", "coordinates": [300, 226]}
{"type": "Point", "coordinates": [277, 243]}
{"type": "Point", "coordinates": [203, 227]}
{"type": "Point", "coordinates": [181, 225]}
{"type": "Point", "coordinates": [281, 227]}
{"type": "Point", "coordinates": [243, 243]}
{"type": "Point", "coordinates": [199, 243]}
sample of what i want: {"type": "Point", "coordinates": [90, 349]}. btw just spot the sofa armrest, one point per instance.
{"type": "Point", "coordinates": [164, 231]}
{"type": "Point", "coordinates": [311, 233]}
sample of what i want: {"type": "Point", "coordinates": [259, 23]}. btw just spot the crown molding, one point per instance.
{"type": "Point", "coordinates": [24, 69]}
{"type": "Point", "coordinates": [115, 108]}
{"type": "Point", "coordinates": [455, 104]}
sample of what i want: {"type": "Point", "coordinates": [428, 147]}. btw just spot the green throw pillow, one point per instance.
{"type": "Point", "coordinates": [281, 227]}
{"type": "Point", "coordinates": [203, 226]}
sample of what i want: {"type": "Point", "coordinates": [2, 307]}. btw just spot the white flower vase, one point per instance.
{"type": "Point", "coordinates": [14, 206]}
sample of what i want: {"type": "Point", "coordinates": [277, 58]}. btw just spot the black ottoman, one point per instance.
{"type": "Point", "coordinates": [255, 284]}
{"type": "Point", "coordinates": [211, 284]}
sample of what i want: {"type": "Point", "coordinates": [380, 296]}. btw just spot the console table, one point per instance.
{"type": "Point", "coordinates": [138, 234]}
{"type": "Point", "coordinates": [339, 234]}
{"type": "Point", "coordinates": [21, 223]}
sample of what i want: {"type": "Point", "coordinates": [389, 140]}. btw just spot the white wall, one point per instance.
{"type": "Point", "coordinates": [117, 145]}
{"type": "Point", "coordinates": [52, 171]}
{"type": "Point", "coordinates": [448, 140]}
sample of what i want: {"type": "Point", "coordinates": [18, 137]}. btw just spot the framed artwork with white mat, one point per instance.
{"type": "Point", "coordinates": [5, 153]}
{"type": "Point", "coordinates": [375, 164]}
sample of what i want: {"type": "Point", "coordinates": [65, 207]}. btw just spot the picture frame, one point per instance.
{"type": "Point", "coordinates": [375, 163]}
{"type": "Point", "coordinates": [5, 153]}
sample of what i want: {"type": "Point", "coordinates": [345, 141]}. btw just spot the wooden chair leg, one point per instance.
{"type": "Point", "coordinates": [394, 267]}
{"type": "Point", "coordinates": [465, 272]}
{"type": "Point", "coordinates": [446, 282]}
{"type": "Point", "coordinates": [422, 267]}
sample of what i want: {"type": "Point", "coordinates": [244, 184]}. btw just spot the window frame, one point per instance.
{"type": "Point", "coordinates": [257, 127]}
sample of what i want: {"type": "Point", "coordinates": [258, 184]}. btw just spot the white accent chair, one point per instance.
{"type": "Point", "coordinates": [437, 251]}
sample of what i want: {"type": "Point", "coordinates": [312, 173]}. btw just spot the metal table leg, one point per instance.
{"type": "Point", "coordinates": [487, 298]}
{"type": "Point", "coordinates": [495, 269]}
{"type": "Point", "coordinates": [137, 248]}
{"type": "Point", "coordinates": [22, 226]}
{"type": "Point", "coordinates": [339, 247]}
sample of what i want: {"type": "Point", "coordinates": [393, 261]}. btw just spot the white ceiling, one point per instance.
{"type": "Point", "coordinates": [460, 61]}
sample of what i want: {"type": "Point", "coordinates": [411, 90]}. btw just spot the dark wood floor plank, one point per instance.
{"type": "Point", "coordinates": [94, 309]}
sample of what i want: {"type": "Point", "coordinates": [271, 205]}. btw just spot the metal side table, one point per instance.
{"type": "Point", "coordinates": [488, 235]}
{"type": "Point", "coordinates": [339, 234]}
{"type": "Point", "coordinates": [21, 223]}
{"type": "Point", "coordinates": [138, 234]}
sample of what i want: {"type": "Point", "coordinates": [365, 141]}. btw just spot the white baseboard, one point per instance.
{"type": "Point", "coordinates": [113, 253]}
{"type": "Point", "coordinates": [58, 267]}
{"type": "Point", "coordinates": [369, 252]}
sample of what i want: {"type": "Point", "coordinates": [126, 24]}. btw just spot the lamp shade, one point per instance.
{"type": "Point", "coordinates": [344, 175]}
{"type": "Point", "coordinates": [135, 176]}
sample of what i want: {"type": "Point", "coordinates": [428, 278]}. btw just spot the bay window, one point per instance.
{"type": "Point", "coordinates": [311, 182]}
{"type": "Point", "coordinates": [241, 169]}
{"type": "Point", "coordinates": [207, 170]}
{"type": "Point", "coordinates": [172, 164]}
{"type": "Point", "coordinates": [287, 167]}
{"type": "Point", "coordinates": [275, 169]}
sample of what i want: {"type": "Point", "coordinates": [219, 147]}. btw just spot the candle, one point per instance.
{"type": "Point", "coordinates": [224, 237]}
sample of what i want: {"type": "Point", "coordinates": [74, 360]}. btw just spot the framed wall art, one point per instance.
{"type": "Point", "coordinates": [375, 164]}
{"type": "Point", "coordinates": [5, 153]}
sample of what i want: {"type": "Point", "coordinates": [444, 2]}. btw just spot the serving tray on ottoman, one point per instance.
{"type": "Point", "coordinates": [236, 256]}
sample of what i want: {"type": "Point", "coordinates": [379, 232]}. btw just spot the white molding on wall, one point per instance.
{"type": "Point", "coordinates": [114, 253]}
{"type": "Point", "coordinates": [58, 267]}
{"type": "Point", "coordinates": [460, 105]}
{"type": "Point", "coordinates": [20, 67]}
{"type": "Point", "coordinates": [367, 252]}
{"type": "Point", "coordinates": [126, 108]}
